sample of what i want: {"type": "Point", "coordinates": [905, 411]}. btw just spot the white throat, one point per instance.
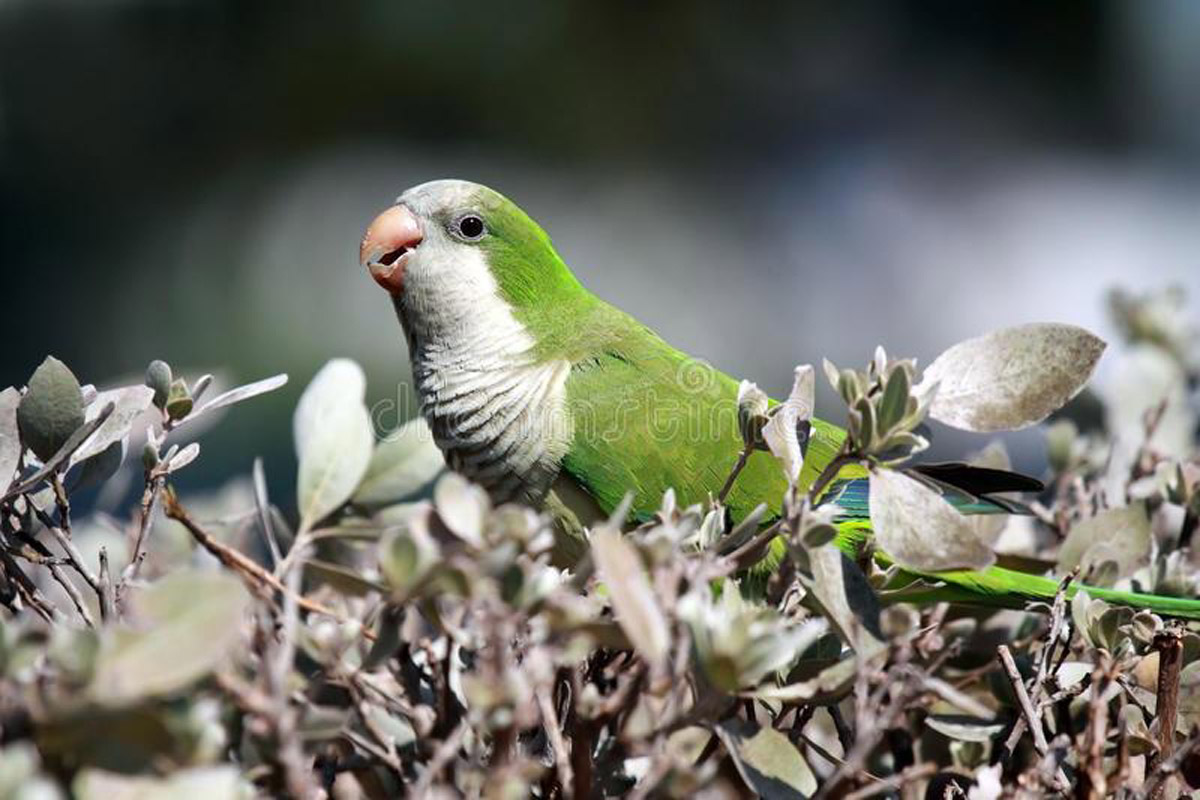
{"type": "Point", "coordinates": [497, 412]}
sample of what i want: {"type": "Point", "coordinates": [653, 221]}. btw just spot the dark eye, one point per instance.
{"type": "Point", "coordinates": [470, 226]}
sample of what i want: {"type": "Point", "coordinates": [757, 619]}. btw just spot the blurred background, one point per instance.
{"type": "Point", "coordinates": [190, 180]}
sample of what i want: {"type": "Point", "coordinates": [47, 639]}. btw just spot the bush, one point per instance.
{"type": "Point", "coordinates": [205, 647]}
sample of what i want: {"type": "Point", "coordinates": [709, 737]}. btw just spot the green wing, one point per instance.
{"type": "Point", "coordinates": [646, 418]}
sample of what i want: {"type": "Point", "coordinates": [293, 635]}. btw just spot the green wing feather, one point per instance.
{"type": "Point", "coordinates": [646, 418]}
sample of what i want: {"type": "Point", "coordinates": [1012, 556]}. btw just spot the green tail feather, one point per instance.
{"type": "Point", "coordinates": [995, 587]}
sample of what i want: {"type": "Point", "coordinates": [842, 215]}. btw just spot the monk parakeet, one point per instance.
{"type": "Point", "coordinates": [541, 392]}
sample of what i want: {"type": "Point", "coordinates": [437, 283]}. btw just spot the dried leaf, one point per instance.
{"type": "Point", "coordinates": [637, 609]}
{"type": "Point", "coordinates": [768, 762]}
{"type": "Point", "coordinates": [1011, 378]}
{"type": "Point", "coordinates": [920, 530]}
{"type": "Point", "coordinates": [51, 410]}
{"type": "Point", "coordinates": [334, 440]}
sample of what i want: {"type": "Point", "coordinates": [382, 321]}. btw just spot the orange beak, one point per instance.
{"type": "Point", "coordinates": [386, 247]}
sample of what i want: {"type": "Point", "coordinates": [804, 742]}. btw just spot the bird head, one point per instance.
{"type": "Point", "coordinates": [448, 244]}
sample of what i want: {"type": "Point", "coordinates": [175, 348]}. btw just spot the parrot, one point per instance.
{"type": "Point", "coordinates": [542, 393]}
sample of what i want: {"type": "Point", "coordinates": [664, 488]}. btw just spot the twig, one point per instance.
{"type": "Point", "coordinates": [106, 588]}
{"type": "Point", "coordinates": [27, 588]}
{"type": "Point", "coordinates": [738, 466]}
{"type": "Point", "coordinates": [901, 779]}
{"type": "Point", "coordinates": [1092, 782]}
{"type": "Point", "coordinates": [150, 496]}
{"type": "Point", "coordinates": [562, 756]}
{"type": "Point", "coordinates": [1158, 776]}
{"type": "Point", "coordinates": [441, 757]}
{"type": "Point", "coordinates": [1032, 718]}
{"type": "Point", "coordinates": [250, 571]}
{"type": "Point", "coordinates": [62, 535]}
{"type": "Point", "coordinates": [958, 699]}
{"type": "Point", "coordinates": [264, 511]}
{"type": "Point", "coordinates": [1169, 645]}
{"type": "Point", "coordinates": [1045, 665]}
{"type": "Point", "coordinates": [73, 593]}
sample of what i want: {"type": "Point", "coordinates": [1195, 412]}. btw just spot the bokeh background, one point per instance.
{"type": "Point", "coordinates": [764, 184]}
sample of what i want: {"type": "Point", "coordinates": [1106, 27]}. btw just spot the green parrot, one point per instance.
{"type": "Point", "coordinates": [543, 393]}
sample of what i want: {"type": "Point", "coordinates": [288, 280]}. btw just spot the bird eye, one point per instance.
{"type": "Point", "coordinates": [470, 226]}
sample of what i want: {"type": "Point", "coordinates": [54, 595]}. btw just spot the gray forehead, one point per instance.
{"type": "Point", "coordinates": [433, 196]}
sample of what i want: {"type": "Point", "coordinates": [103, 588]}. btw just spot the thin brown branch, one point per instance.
{"type": "Point", "coordinates": [558, 745]}
{"type": "Point", "coordinates": [1169, 646]}
{"type": "Point", "coordinates": [258, 578]}
{"type": "Point", "coordinates": [1032, 718]}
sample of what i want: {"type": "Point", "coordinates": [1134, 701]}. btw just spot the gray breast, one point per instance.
{"type": "Point", "coordinates": [503, 427]}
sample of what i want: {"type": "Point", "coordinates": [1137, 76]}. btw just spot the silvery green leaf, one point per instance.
{"type": "Point", "coordinates": [240, 393]}
{"type": "Point", "coordinates": [865, 433]}
{"type": "Point", "coordinates": [752, 405]}
{"type": "Point", "coordinates": [916, 527]}
{"type": "Point", "coordinates": [201, 386]}
{"type": "Point", "coordinates": [963, 728]}
{"type": "Point", "coordinates": [193, 783]}
{"type": "Point", "coordinates": [345, 580]}
{"type": "Point", "coordinates": [1079, 611]}
{"type": "Point", "coordinates": [1011, 378]}
{"type": "Point", "coordinates": [894, 403]}
{"type": "Point", "coordinates": [1145, 376]}
{"type": "Point", "coordinates": [832, 373]}
{"type": "Point", "coordinates": [406, 553]}
{"type": "Point", "coordinates": [636, 606]}
{"type": "Point", "coordinates": [993, 456]}
{"type": "Point", "coordinates": [97, 469]}
{"type": "Point", "coordinates": [187, 624]}
{"type": "Point", "coordinates": [51, 409]}
{"type": "Point", "coordinates": [20, 763]}
{"type": "Point", "coordinates": [60, 457]}
{"type": "Point", "coordinates": [789, 423]}
{"type": "Point", "coordinates": [334, 439]}
{"type": "Point", "coordinates": [711, 529]}
{"type": "Point", "coordinates": [818, 534]}
{"type": "Point", "coordinates": [767, 761]}
{"type": "Point", "coordinates": [401, 465]}
{"type": "Point", "coordinates": [462, 506]}
{"type": "Point", "coordinates": [158, 380]}
{"type": "Point", "coordinates": [1121, 535]}
{"type": "Point", "coordinates": [128, 404]}
{"type": "Point", "coordinates": [184, 457]}
{"type": "Point", "coordinates": [879, 361]}
{"type": "Point", "coordinates": [845, 597]}
{"type": "Point", "coordinates": [10, 437]}
{"type": "Point", "coordinates": [830, 685]}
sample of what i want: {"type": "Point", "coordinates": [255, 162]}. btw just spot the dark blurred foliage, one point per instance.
{"type": "Point", "coordinates": [123, 122]}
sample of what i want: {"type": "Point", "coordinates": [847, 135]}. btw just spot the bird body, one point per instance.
{"type": "Point", "coordinates": [543, 393]}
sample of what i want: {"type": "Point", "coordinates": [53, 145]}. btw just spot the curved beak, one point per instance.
{"type": "Point", "coordinates": [387, 244]}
